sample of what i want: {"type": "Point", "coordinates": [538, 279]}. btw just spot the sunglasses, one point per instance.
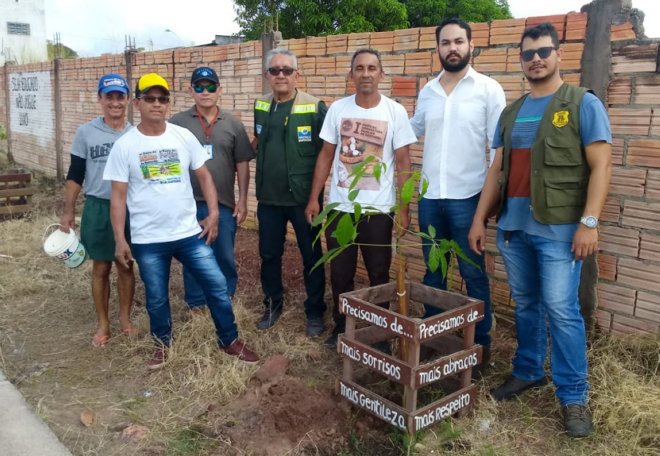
{"type": "Point", "coordinates": [151, 99]}
{"type": "Point", "coordinates": [543, 52]}
{"type": "Point", "coordinates": [212, 88]}
{"type": "Point", "coordinates": [288, 71]}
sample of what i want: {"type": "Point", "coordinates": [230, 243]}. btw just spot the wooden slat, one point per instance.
{"type": "Point", "coordinates": [24, 191]}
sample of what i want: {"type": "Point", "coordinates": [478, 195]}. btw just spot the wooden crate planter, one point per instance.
{"type": "Point", "coordinates": [15, 193]}
{"type": "Point", "coordinates": [458, 354]}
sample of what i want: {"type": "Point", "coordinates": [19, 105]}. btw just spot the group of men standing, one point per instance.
{"type": "Point", "coordinates": [547, 182]}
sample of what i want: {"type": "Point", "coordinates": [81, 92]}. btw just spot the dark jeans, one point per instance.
{"type": "Point", "coordinates": [452, 219]}
{"type": "Point", "coordinates": [375, 237]}
{"type": "Point", "coordinates": [272, 234]}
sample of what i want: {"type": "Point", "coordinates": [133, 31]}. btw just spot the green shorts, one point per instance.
{"type": "Point", "coordinates": [96, 230]}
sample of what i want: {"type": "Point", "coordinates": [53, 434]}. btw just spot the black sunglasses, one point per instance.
{"type": "Point", "coordinates": [543, 52]}
{"type": "Point", "coordinates": [151, 99]}
{"type": "Point", "coordinates": [288, 71]}
{"type": "Point", "coordinates": [212, 88]}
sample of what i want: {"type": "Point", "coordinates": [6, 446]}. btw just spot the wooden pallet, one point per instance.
{"type": "Point", "coordinates": [15, 193]}
{"type": "Point", "coordinates": [454, 355]}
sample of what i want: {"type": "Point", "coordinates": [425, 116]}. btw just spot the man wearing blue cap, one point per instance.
{"type": "Point", "coordinates": [89, 154]}
{"type": "Point", "coordinates": [229, 153]}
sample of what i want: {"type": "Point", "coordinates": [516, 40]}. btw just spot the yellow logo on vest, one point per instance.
{"type": "Point", "coordinates": [305, 134]}
{"type": "Point", "coordinates": [560, 119]}
{"type": "Point", "coordinates": [262, 106]}
{"type": "Point", "coordinates": [304, 108]}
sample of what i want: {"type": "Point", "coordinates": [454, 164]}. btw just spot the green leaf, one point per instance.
{"type": "Point", "coordinates": [353, 194]}
{"type": "Point", "coordinates": [319, 218]}
{"type": "Point", "coordinates": [345, 232]}
{"type": "Point", "coordinates": [434, 258]}
{"type": "Point", "coordinates": [407, 190]}
{"type": "Point", "coordinates": [432, 231]}
{"type": "Point", "coordinates": [357, 212]}
{"type": "Point", "coordinates": [328, 222]}
{"type": "Point", "coordinates": [378, 171]}
{"type": "Point", "coordinates": [329, 256]}
{"type": "Point", "coordinates": [425, 187]}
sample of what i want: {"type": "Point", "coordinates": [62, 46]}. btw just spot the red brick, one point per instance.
{"type": "Point", "coordinates": [616, 299]}
{"type": "Point", "coordinates": [307, 65]}
{"type": "Point", "coordinates": [623, 241]}
{"type": "Point", "coordinates": [491, 60]}
{"type": "Point", "coordinates": [337, 44]}
{"type": "Point", "coordinates": [622, 32]}
{"type": "Point", "coordinates": [607, 267]}
{"type": "Point", "coordinates": [641, 214]}
{"type": "Point", "coordinates": [506, 31]}
{"type": "Point", "coordinates": [653, 184]}
{"type": "Point", "coordinates": [393, 64]}
{"type": "Point", "coordinates": [418, 63]}
{"type": "Point", "coordinates": [650, 247]}
{"type": "Point", "coordinates": [647, 90]}
{"type": "Point", "coordinates": [248, 49]}
{"type": "Point", "coordinates": [557, 20]}
{"type": "Point", "coordinates": [480, 33]}
{"type": "Point", "coordinates": [612, 210]}
{"type": "Point", "coordinates": [648, 306]}
{"type": "Point", "coordinates": [406, 39]}
{"type": "Point", "coordinates": [316, 45]}
{"type": "Point", "coordinates": [632, 326]}
{"type": "Point", "coordinates": [620, 90]}
{"type": "Point", "coordinates": [326, 65]}
{"type": "Point", "coordinates": [514, 85]}
{"type": "Point", "coordinates": [576, 26]}
{"type": "Point", "coordinates": [639, 274]}
{"type": "Point", "coordinates": [630, 121]}
{"type": "Point", "coordinates": [359, 40]}
{"type": "Point", "coordinates": [617, 151]}
{"type": "Point", "coordinates": [404, 86]}
{"type": "Point", "coordinates": [655, 124]}
{"type": "Point", "coordinates": [603, 320]}
{"type": "Point", "coordinates": [298, 46]}
{"type": "Point", "coordinates": [382, 41]}
{"type": "Point", "coordinates": [627, 181]}
{"type": "Point", "coordinates": [427, 38]}
{"type": "Point", "coordinates": [635, 59]}
{"type": "Point", "coordinates": [644, 152]}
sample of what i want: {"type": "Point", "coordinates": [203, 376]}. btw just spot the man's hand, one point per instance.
{"type": "Point", "coordinates": [123, 254]}
{"type": "Point", "coordinates": [585, 242]}
{"type": "Point", "coordinates": [67, 221]}
{"type": "Point", "coordinates": [240, 211]}
{"type": "Point", "coordinates": [312, 210]}
{"type": "Point", "coordinates": [209, 227]}
{"type": "Point", "coordinates": [477, 237]}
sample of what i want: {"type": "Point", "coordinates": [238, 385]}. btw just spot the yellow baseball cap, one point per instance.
{"type": "Point", "coordinates": [150, 80]}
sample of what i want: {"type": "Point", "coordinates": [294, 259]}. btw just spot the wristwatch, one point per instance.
{"type": "Point", "coordinates": [589, 221]}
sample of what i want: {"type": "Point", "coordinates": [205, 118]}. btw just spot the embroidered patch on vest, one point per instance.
{"type": "Point", "coordinates": [258, 128]}
{"type": "Point", "coordinates": [262, 106]}
{"type": "Point", "coordinates": [305, 134]}
{"type": "Point", "coordinates": [560, 119]}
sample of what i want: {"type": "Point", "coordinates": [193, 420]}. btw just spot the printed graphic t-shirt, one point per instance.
{"type": "Point", "coordinates": [594, 126]}
{"type": "Point", "coordinates": [359, 133]}
{"type": "Point", "coordinates": [160, 197]}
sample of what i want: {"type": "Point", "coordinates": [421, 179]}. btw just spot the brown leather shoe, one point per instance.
{"type": "Point", "coordinates": [159, 357]}
{"type": "Point", "coordinates": [238, 349]}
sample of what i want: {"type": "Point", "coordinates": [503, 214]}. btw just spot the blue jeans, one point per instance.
{"type": "Point", "coordinates": [154, 261]}
{"type": "Point", "coordinates": [223, 249]}
{"type": "Point", "coordinates": [452, 219]}
{"type": "Point", "coordinates": [272, 233]}
{"type": "Point", "coordinates": [544, 278]}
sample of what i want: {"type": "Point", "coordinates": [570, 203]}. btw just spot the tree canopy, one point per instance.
{"type": "Point", "coordinates": [299, 18]}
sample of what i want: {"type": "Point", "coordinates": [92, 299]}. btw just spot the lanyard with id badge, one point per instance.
{"type": "Point", "coordinates": [207, 130]}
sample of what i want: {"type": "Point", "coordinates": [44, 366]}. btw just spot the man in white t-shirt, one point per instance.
{"type": "Point", "coordinates": [149, 169]}
{"type": "Point", "coordinates": [356, 127]}
{"type": "Point", "coordinates": [457, 112]}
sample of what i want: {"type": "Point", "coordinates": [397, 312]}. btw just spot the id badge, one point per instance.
{"type": "Point", "coordinates": [209, 150]}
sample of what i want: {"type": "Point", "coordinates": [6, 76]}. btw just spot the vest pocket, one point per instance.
{"type": "Point", "coordinates": [559, 152]}
{"type": "Point", "coordinates": [565, 192]}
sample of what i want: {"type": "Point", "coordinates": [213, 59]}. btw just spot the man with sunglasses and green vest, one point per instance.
{"type": "Point", "coordinates": [229, 153]}
{"type": "Point", "coordinates": [547, 184]}
{"type": "Point", "coordinates": [287, 123]}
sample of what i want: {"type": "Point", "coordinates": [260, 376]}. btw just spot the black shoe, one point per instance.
{"type": "Point", "coordinates": [513, 386]}
{"type": "Point", "coordinates": [315, 326]}
{"type": "Point", "coordinates": [577, 420]}
{"type": "Point", "coordinates": [331, 342]}
{"type": "Point", "coordinates": [271, 315]}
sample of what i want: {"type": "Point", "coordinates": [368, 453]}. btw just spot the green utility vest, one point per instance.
{"type": "Point", "coordinates": [302, 142]}
{"type": "Point", "coordinates": [559, 174]}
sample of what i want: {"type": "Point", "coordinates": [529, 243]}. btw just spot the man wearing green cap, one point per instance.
{"type": "Point", "coordinates": [149, 169]}
{"type": "Point", "coordinates": [89, 154]}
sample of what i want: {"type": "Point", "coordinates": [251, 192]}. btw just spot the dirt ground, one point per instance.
{"type": "Point", "coordinates": [105, 401]}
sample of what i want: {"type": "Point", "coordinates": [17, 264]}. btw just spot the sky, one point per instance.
{"type": "Point", "coordinates": [91, 28]}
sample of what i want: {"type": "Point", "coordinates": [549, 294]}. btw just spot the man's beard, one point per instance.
{"type": "Point", "coordinates": [455, 67]}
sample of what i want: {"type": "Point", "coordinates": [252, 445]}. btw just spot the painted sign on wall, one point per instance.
{"type": "Point", "coordinates": [31, 104]}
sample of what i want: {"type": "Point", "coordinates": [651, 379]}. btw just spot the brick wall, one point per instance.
{"type": "Point", "coordinates": [630, 263]}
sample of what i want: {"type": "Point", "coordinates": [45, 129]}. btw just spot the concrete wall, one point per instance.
{"type": "Point", "coordinates": [23, 48]}
{"type": "Point", "coordinates": [629, 265]}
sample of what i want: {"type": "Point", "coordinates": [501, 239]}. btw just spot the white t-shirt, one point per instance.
{"type": "Point", "coordinates": [160, 198]}
{"type": "Point", "coordinates": [459, 130]}
{"type": "Point", "coordinates": [359, 132]}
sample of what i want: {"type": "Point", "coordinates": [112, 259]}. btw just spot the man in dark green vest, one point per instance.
{"type": "Point", "coordinates": [547, 184]}
{"type": "Point", "coordinates": [287, 123]}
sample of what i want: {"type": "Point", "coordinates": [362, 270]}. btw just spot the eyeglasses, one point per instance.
{"type": "Point", "coordinates": [543, 52]}
{"type": "Point", "coordinates": [288, 71]}
{"type": "Point", "coordinates": [151, 99]}
{"type": "Point", "coordinates": [212, 88]}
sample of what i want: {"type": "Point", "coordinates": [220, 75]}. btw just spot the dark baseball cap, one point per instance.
{"type": "Point", "coordinates": [112, 82]}
{"type": "Point", "coordinates": [204, 74]}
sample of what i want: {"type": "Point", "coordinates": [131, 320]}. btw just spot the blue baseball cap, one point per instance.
{"type": "Point", "coordinates": [204, 74]}
{"type": "Point", "coordinates": [113, 83]}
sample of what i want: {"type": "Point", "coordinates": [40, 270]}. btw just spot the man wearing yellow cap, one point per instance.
{"type": "Point", "coordinates": [149, 169]}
